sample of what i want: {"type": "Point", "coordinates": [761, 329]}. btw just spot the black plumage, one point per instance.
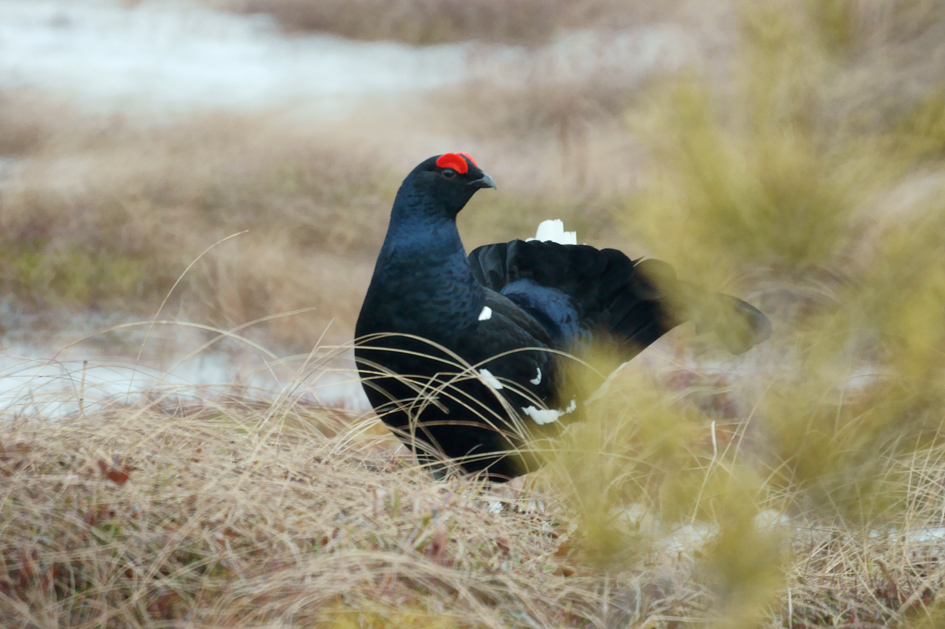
{"type": "Point", "coordinates": [464, 356]}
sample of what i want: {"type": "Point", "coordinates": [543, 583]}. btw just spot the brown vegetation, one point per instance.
{"type": "Point", "coordinates": [798, 486]}
{"type": "Point", "coordinates": [437, 21]}
{"type": "Point", "coordinates": [657, 510]}
{"type": "Point", "coordinates": [109, 216]}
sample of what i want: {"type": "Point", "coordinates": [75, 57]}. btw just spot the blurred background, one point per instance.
{"type": "Point", "coordinates": [229, 165]}
{"type": "Point", "coordinates": [137, 135]}
{"type": "Point", "coordinates": [765, 147]}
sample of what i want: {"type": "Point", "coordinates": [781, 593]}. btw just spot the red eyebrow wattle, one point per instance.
{"type": "Point", "coordinates": [456, 161]}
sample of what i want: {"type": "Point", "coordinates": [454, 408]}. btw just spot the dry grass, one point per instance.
{"type": "Point", "coordinates": [233, 514]}
{"type": "Point", "coordinates": [665, 508]}
{"type": "Point", "coordinates": [107, 215]}
{"type": "Point", "coordinates": [438, 21]}
{"type": "Point", "coordinates": [798, 486]}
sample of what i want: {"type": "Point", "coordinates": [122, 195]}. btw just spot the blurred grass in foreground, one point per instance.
{"type": "Point", "coordinates": [759, 184]}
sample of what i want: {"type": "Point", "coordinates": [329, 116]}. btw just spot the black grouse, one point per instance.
{"type": "Point", "coordinates": [466, 356]}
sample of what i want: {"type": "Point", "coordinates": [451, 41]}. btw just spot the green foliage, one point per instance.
{"type": "Point", "coordinates": [727, 202]}
{"type": "Point", "coordinates": [754, 178]}
{"type": "Point", "coordinates": [921, 131]}
{"type": "Point", "coordinates": [768, 178]}
{"type": "Point", "coordinates": [79, 278]}
{"type": "Point", "coordinates": [835, 22]}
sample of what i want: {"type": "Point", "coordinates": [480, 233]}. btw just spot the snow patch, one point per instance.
{"type": "Point", "coordinates": [486, 313]}
{"type": "Point", "coordinates": [39, 378]}
{"type": "Point", "coordinates": [537, 379]}
{"type": "Point", "coordinates": [172, 56]}
{"type": "Point", "coordinates": [489, 379]}
{"type": "Point", "coordinates": [543, 416]}
{"type": "Point", "coordinates": [553, 231]}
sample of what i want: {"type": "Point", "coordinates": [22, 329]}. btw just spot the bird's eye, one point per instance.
{"type": "Point", "coordinates": [449, 173]}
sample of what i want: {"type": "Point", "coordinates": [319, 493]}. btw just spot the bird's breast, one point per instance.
{"type": "Point", "coordinates": [438, 304]}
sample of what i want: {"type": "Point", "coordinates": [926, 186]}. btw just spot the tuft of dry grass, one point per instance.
{"type": "Point", "coordinates": [239, 514]}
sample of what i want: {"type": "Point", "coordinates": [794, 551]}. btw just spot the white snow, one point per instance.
{"type": "Point", "coordinates": [537, 379]}
{"type": "Point", "coordinates": [553, 231]}
{"type": "Point", "coordinates": [486, 313]}
{"type": "Point", "coordinates": [173, 56]}
{"type": "Point", "coordinates": [546, 416]}
{"type": "Point", "coordinates": [50, 383]}
{"type": "Point", "coordinates": [489, 379]}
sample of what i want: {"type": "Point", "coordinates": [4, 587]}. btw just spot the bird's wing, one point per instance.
{"type": "Point", "coordinates": [581, 294]}
{"type": "Point", "coordinates": [577, 291]}
{"type": "Point", "coordinates": [513, 354]}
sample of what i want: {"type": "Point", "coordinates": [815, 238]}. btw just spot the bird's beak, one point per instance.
{"type": "Point", "coordinates": [483, 182]}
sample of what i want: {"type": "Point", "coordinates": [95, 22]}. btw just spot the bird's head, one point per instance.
{"type": "Point", "coordinates": [443, 184]}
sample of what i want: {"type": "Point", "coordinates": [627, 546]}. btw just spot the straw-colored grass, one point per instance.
{"type": "Point", "coordinates": [797, 486]}
{"type": "Point", "coordinates": [109, 217]}
{"type": "Point", "coordinates": [106, 215]}
{"type": "Point", "coordinates": [437, 21]}
{"type": "Point", "coordinates": [229, 514]}
{"type": "Point", "coordinates": [664, 508]}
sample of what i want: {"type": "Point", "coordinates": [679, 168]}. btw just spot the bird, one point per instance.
{"type": "Point", "coordinates": [468, 359]}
